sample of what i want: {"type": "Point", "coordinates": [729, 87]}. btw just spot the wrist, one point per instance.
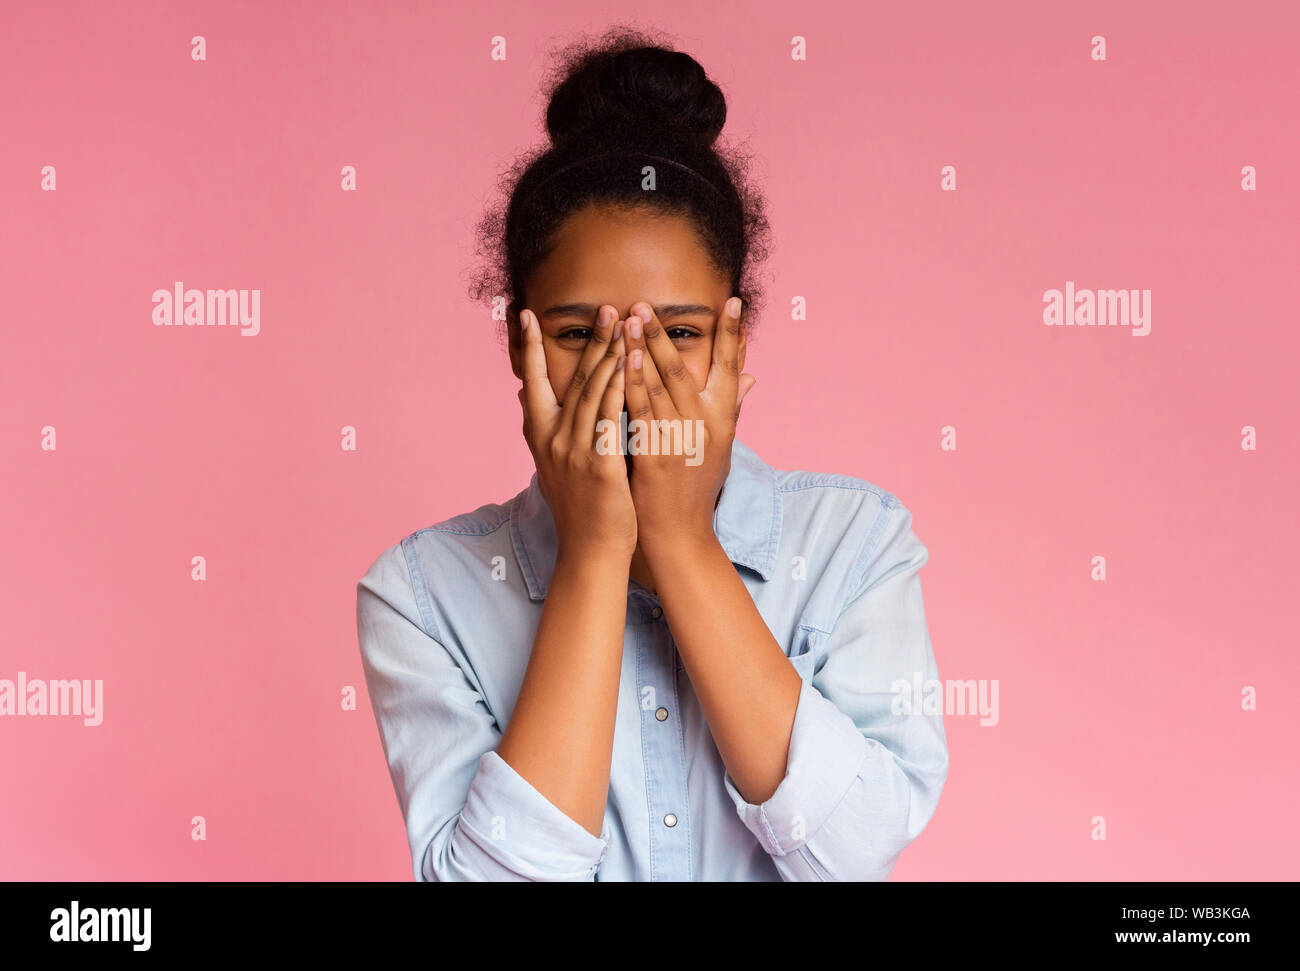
{"type": "Point", "coordinates": [680, 549]}
{"type": "Point", "coordinates": [595, 561]}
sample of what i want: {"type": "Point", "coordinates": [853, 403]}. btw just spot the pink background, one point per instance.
{"type": "Point", "coordinates": [222, 698]}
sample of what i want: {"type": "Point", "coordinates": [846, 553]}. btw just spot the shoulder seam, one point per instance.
{"type": "Point", "coordinates": [847, 483]}
{"type": "Point", "coordinates": [416, 577]}
{"type": "Point", "coordinates": [863, 562]}
{"type": "Point", "coordinates": [450, 529]}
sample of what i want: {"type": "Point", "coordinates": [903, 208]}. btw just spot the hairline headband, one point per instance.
{"type": "Point", "coordinates": [617, 154]}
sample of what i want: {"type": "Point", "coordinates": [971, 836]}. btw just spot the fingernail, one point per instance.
{"type": "Point", "coordinates": [523, 319]}
{"type": "Point", "coordinates": [618, 366]}
{"type": "Point", "coordinates": [634, 327]}
{"type": "Point", "coordinates": [733, 306]}
{"type": "Point", "coordinates": [645, 313]}
{"type": "Point", "coordinates": [618, 330]}
{"type": "Point", "coordinates": [635, 359]}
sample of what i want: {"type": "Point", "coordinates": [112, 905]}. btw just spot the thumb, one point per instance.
{"type": "Point", "coordinates": [747, 382]}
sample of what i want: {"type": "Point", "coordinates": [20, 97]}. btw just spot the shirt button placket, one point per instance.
{"type": "Point", "coordinates": [664, 749]}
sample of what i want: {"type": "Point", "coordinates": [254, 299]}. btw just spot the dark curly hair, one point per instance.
{"type": "Point", "coordinates": [606, 99]}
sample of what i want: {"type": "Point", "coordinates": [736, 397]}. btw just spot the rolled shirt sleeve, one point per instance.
{"type": "Point", "coordinates": [864, 771]}
{"type": "Point", "coordinates": [469, 815]}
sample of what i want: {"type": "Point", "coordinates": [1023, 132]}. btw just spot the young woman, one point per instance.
{"type": "Point", "coordinates": [657, 662]}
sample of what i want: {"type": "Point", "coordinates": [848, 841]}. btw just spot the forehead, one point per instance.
{"type": "Point", "coordinates": [612, 254]}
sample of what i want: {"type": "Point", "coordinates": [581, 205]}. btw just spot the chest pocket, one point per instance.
{"type": "Point", "coordinates": [804, 663]}
{"type": "Point", "coordinates": [804, 651]}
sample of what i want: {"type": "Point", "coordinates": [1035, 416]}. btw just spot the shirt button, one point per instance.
{"type": "Point", "coordinates": [657, 613]}
{"type": "Point", "coordinates": [662, 714]}
{"type": "Point", "coordinates": [670, 820]}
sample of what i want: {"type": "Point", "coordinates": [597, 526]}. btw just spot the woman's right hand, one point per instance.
{"type": "Point", "coordinates": [588, 493]}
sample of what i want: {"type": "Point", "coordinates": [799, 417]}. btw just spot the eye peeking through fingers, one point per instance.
{"type": "Point", "coordinates": [579, 336]}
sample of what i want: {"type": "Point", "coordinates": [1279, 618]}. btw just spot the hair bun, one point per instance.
{"type": "Point", "coordinates": [637, 93]}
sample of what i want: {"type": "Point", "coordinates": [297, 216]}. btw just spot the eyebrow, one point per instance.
{"type": "Point", "coordinates": [587, 311]}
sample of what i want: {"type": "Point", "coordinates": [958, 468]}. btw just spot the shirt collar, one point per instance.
{"type": "Point", "coordinates": [747, 522]}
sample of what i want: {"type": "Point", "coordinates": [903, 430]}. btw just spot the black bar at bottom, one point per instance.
{"type": "Point", "coordinates": [328, 921]}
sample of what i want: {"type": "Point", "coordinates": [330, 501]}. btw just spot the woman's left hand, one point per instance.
{"type": "Point", "coordinates": [675, 494]}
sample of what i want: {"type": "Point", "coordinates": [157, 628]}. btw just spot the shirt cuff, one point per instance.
{"type": "Point", "coordinates": [826, 754]}
{"type": "Point", "coordinates": [523, 830]}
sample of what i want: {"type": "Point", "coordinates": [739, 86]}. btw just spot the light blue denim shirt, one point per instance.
{"type": "Point", "coordinates": [446, 620]}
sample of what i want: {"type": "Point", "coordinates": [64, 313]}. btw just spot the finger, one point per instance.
{"type": "Point", "coordinates": [668, 364]}
{"type": "Point", "coordinates": [523, 404]}
{"type": "Point", "coordinates": [583, 430]}
{"type": "Point", "coordinates": [611, 405]}
{"type": "Point", "coordinates": [634, 393]}
{"type": "Point", "coordinates": [724, 368]}
{"type": "Point", "coordinates": [537, 395]}
{"type": "Point", "coordinates": [747, 381]}
{"type": "Point", "coordinates": [653, 400]}
{"type": "Point", "coordinates": [596, 349]}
